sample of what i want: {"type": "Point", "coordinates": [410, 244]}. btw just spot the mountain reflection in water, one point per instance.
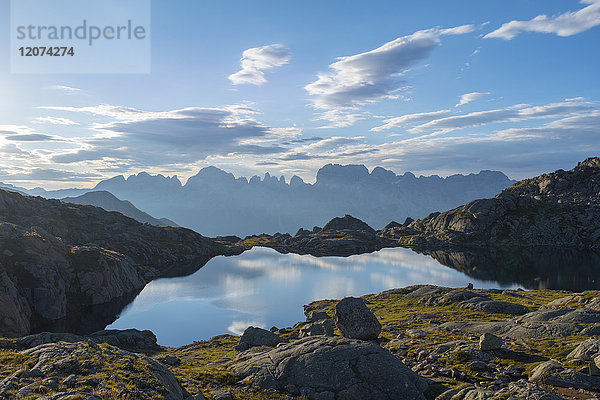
{"type": "Point", "coordinates": [264, 288]}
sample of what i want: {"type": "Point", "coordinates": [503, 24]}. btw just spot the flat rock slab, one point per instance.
{"type": "Point", "coordinates": [330, 368]}
{"type": "Point", "coordinates": [510, 329]}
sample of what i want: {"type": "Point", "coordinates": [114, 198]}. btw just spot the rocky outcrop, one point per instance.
{"type": "Point", "coordinates": [554, 373]}
{"type": "Point", "coordinates": [520, 390]}
{"type": "Point", "coordinates": [354, 319]}
{"type": "Point", "coordinates": [328, 368]}
{"type": "Point", "coordinates": [129, 339]}
{"type": "Point", "coordinates": [75, 370]}
{"type": "Point", "coordinates": [57, 259]}
{"type": "Point", "coordinates": [341, 236]}
{"type": "Point", "coordinates": [561, 208]}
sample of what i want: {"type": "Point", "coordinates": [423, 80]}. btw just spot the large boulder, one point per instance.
{"type": "Point", "coordinates": [253, 337]}
{"type": "Point", "coordinates": [489, 341]}
{"type": "Point", "coordinates": [354, 319]}
{"type": "Point", "coordinates": [328, 368]}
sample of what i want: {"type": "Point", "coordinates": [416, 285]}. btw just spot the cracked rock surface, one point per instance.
{"type": "Point", "coordinates": [327, 368]}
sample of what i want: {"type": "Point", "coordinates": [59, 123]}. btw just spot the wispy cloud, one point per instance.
{"type": "Point", "coordinates": [258, 59]}
{"type": "Point", "coordinates": [22, 133]}
{"type": "Point", "coordinates": [376, 74]}
{"type": "Point", "coordinates": [410, 119]}
{"type": "Point", "coordinates": [469, 97]}
{"type": "Point", "coordinates": [65, 89]}
{"type": "Point", "coordinates": [509, 114]}
{"type": "Point", "coordinates": [176, 136]}
{"type": "Point", "coordinates": [54, 121]}
{"type": "Point", "coordinates": [48, 174]}
{"type": "Point", "coordinates": [566, 24]}
{"type": "Point", "coordinates": [339, 118]}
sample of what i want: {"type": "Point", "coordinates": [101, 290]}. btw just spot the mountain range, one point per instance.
{"type": "Point", "coordinates": [215, 202]}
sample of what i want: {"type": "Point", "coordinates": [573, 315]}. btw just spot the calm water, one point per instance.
{"type": "Point", "coordinates": [264, 288]}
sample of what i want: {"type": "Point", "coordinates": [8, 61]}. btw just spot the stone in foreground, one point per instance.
{"type": "Point", "coordinates": [253, 337]}
{"type": "Point", "coordinates": [327, 368]}
{"type": "Point", "coordinates": [354, 319]}
{"type": "Point", "coordinates": [489, 341]}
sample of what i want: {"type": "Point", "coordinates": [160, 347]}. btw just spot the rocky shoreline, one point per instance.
{"type": "Point", "coordinates": [59, 260]}
{"type": "Point", "coordinates": [418, 342]}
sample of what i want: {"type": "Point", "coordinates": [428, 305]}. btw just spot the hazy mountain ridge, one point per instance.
{"type": "Point", "coordinates": [109, 202]}
{"type": "Point", "coordinates": [215, 202]}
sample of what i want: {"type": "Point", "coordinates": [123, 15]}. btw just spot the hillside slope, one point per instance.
{"type": "Point", "coordinates": [58, 258]}
{"type": "Point", "coordinates": [561, 208]}
{"type": "Point", "coordinates": [110, 202]}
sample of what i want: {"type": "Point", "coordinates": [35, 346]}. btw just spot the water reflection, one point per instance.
{"type": "Point", "coordinates": [532, 268]}
{"type": "Point", "coordinates": [264, 288]}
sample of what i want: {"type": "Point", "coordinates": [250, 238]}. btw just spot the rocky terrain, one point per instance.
{"type": "Point", "coordinates": [560, 209]}
{"type": "Point", "coordinates": [418, 342]}
{"type": "Point", "coordinates": [58, 259]}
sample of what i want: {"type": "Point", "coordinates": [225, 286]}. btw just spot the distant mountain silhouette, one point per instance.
{"type": "Point", "coordinates": [215, 202]}
{"type": "Point", "coordinates": [109, 202]}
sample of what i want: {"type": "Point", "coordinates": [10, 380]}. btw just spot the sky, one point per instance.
{"type": "Point", "coordinates": [285, 87]}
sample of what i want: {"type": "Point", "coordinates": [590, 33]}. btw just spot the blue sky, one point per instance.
{"type": "Point", "coordinates": [286, 87]}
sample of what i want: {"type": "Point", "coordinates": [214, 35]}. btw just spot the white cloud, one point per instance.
{"type": "Point", "coordinates": [376, 74]}
{"type": "Point", "coordinates": [177, 136]}
{"type": "Point", "coordinates": [54, 121]}
{"type": "Point", "coordinates": [258, 59]}
{"type": "Point", "coordinates": [105, 110]}
{"type": "Point", "coordinates": [339, 118]}
{"type": "Point", "coordinates": [66, 89]}
{"type": "Point", "coordinates": [510, 114]}
{"type": "Point", "coordinates": [566, 24]}
{"type": "Point", "coordinates": [410, 119]}
{"type": "Point", "coordinates": [469, 97]}
{"type": "Point", "coordinates": [458, 30]}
